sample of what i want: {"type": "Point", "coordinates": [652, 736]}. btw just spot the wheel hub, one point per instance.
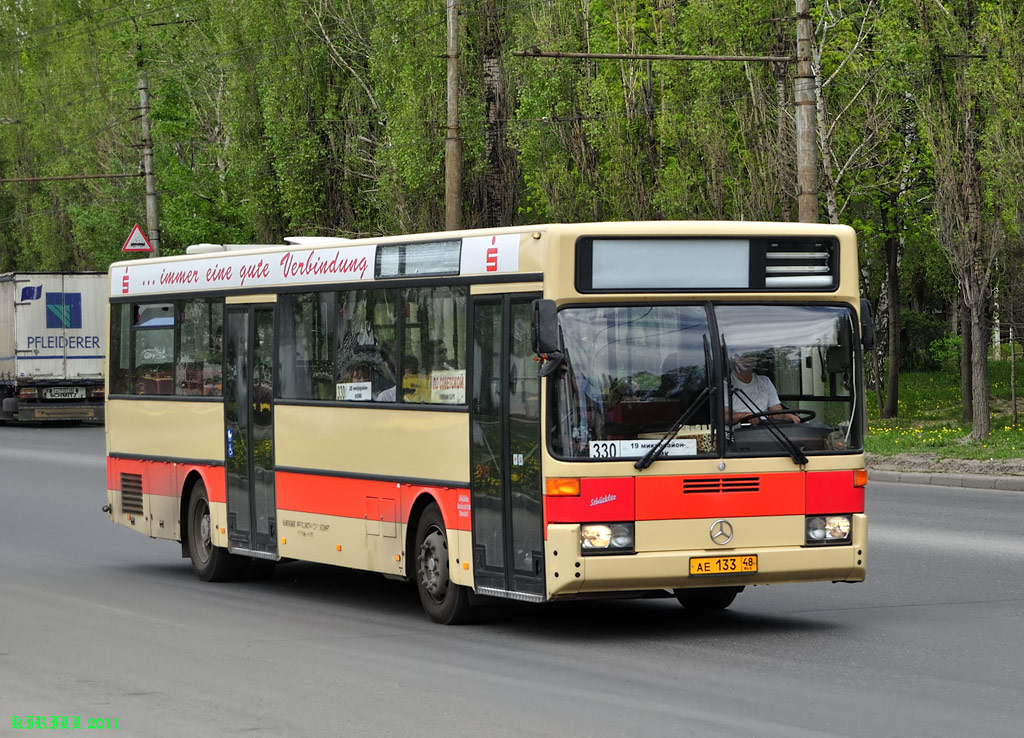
{"type": "Point", "coordinates": [433, 564]}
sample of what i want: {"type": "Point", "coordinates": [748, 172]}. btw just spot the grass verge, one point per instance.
{"type": "Point", "coordinates": [929, 417]}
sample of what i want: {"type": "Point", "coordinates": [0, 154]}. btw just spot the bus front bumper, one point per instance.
{"type": "Point", "coordinates": [570, 574]}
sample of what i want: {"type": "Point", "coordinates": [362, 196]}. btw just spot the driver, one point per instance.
{"type": "Point", "coordinates": [753, 394]}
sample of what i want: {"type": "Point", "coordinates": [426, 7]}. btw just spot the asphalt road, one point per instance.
{"type": "Point", "coordinates": [101, 623]}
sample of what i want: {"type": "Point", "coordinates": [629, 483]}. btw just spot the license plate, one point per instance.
{"type": "Point", "coordinates": [64, 393]}
{"type": "Point", "coordinates": [723, 565]}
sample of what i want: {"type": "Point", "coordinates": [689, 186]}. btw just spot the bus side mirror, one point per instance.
{"type": "Point", "coordinates": [545, 327]}
{"type": "Point", "coordinates": [544, 332]}
{"type": "Point", "coordinates": [867, 324]}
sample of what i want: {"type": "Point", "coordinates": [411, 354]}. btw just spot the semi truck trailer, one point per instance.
{"type": "Point", "coordinates": [52, 346]}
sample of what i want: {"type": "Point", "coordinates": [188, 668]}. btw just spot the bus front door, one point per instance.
{"type": "Point", "coordinates": [508, 533]}
{"type": "Point", "coordinates": [249, 424]}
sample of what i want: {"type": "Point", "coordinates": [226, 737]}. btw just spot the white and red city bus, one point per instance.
{"type": "Point", "coordinates": [536, 413]}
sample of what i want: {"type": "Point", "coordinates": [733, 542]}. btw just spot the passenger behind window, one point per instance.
{"type": "Point", "coordinates": [357, 374]}
{"type": "Point", "coordinates": [415, 387]}
{"type": "Point", "coordinates": [361, 380]}
{"type": "Point", "coordinates": [440, 354]}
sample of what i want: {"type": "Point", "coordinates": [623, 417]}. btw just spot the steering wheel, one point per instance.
{"type": "Point", "coordinates": [804, 415]}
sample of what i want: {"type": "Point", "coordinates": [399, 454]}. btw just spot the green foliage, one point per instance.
{"type": "Point", "coordinates": [918, 331]}
{"type": "Point", "coordinates": [946, 352]}
{"type": "Point", "coordinates": [272, 118]}
{"type": "Point", "coordinates": [328, 117]}
{"type": "Point", "coordinates": [409, 77]}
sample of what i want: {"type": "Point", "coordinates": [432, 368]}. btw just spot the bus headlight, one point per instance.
{"type": "Point", "coordinates": [828, 529]}
{"type": "Point", "coordinates": [598, 538]}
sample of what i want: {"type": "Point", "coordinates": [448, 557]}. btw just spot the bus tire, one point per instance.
{"type": "Point", "coordinates": [211, 563]}
{"type": "Point", "coordinates": [445, 602]}
{"type": "Point", "coordinates": [707, 599]}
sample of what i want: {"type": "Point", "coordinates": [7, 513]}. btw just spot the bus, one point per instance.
{"type": "Point", "coordinates": [535, 413]}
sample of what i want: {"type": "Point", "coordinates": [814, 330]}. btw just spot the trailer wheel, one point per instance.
{"type": "Point", "coordinates": [211, 563]}
{"type": "Point", "coordinates": [444, 601]}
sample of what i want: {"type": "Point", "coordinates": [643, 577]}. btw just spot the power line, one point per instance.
{"type": "Point", "coordinates": [55, 26]}
{"type": "Point", "coordinates": [535, 53]}
{"type": "Point", "coordinates": [99, 26]}
{"type": "Point", "coordinates": [66, 177]}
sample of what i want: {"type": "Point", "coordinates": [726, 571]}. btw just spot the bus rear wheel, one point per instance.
{"type": "Point", "coordinates": [444, 601]}
{"type": "Point", "coordinates": [211, 563]}
{"type": "Point", "coordinates": [707, 599]}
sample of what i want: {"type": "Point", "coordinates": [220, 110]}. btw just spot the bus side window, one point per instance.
{"type": "Point", "coordinates": [120, 368]}
{"type": "Point", "coordinates": [366, 330]}
{"type": "Point", "coordinates": [199, 365]}
{"type": "Point", "coordinates": [433, 346]}
{"type": "Point", "coordinates": [305, 346]}
{"type": "Point", "coordinates": [154, 349]}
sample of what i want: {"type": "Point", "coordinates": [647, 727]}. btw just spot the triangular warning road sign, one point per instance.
{"type": "Point", "coordinates": [137, 241]}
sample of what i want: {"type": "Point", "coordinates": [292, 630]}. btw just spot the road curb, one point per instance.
{"type": "Point", "coordinates": [968, 481]}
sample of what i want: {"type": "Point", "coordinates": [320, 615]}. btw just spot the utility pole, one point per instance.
{"type": "Point", "coordinates": [452, 144]}
{"type": "Point", "coordinates": [806, 107]}
{"type": "Point", "coordinates": [152, 210]}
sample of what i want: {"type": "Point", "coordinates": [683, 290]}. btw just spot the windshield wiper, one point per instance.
{"type": "Point", "coordinates": [656, 450]}
{"type": "Point", "coordinates": [766, 421]}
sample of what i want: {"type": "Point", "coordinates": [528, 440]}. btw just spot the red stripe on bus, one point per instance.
{"type": "Point", "coordinates": [731, 495]}
{"type": "Point", "coordinates": [166, 479]}
{"type": "Point", "coordinates": [215, 478]}
{"type": "Point", "coordinates": [833, 492]}
{"type": "Point", "coordinates": [599, 501]}
{"type": "Point", "coordinates": [360, 498]}
{"type": "Point", "coordinates": [113, 476]}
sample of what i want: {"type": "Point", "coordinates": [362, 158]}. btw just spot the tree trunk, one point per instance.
{"type": "Point", "coordinates": [785, 188]}
{"type": "Point", "coordinates": [1013, 372]}
{"type": "Point", "coordinates": [876, 370]}
{"type": "Point", "coordinates": [501, 164]}
{"type": "Point", "coordinates": [981, 419]}
{"type": "Point", "coordinates": [892, 274]}
{"type": "Point", "coordinates": [966, 395]}
{"type": "Point", "coordinates": [493, 139]}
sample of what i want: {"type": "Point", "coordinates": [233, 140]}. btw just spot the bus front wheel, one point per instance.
{"type": "Point", "coordinates": [707, 599]}
{"type": "Point", "coordinates": [445, 602]}
{"type": "Point", "coordinates": [211, 563]}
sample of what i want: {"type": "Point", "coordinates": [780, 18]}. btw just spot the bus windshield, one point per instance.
{"type": "Point", "coordinates": [784, 374]}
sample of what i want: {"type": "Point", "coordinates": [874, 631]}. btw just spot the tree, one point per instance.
{"type": "Point", "coordinates": [864, 143]}
{"type": "Point", "coordinates": [75, 101]}
{"type": "Point", "coordinates": [956, 110]}
{"type": "Point", "coordinates": [489, 30]}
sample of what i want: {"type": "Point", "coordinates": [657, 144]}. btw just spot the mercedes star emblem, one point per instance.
{"type": "Point", "coordinates": [721, 532]}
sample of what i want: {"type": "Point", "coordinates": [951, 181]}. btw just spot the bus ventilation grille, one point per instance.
{"type": "Point", "coordinates": [131, 494]}
{"type": "Point", "coordinates": [795, 266]}
{"type": "Point", "coordinates": [713, 485]}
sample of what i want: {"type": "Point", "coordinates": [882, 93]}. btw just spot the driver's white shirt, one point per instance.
{"type": "Point", "coordinates": [759, 389]}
